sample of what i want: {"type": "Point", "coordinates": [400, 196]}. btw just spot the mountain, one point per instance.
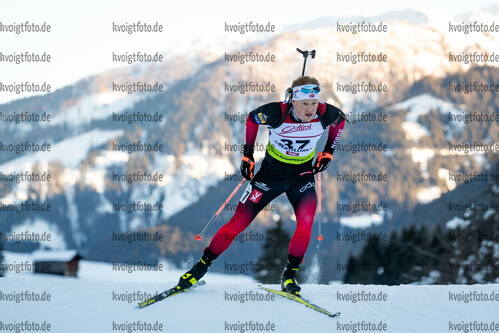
{"type": "Point", "coordinates": [455, 245]}
{"type": "Point", "coordinates": [194, 150]}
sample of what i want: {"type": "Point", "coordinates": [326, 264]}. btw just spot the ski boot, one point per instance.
{"type": "Point", "coordinates": [288, 280]}
{"type": "Point", "coordinates": [197, 271]}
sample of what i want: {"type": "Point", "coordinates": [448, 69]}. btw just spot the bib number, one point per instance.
{"type": "Point", "coordinates": [290, 144]}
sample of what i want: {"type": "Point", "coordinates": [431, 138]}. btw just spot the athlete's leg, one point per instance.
{"type": "Point", "coordinates": [256, 196]}
{"type": "Point", "coordinates": [303, 198]}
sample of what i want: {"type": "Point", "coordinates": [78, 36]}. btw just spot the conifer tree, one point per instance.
{"type": "Point", "coordinates": [367, 267]}
{"type": "Point", "coordinates": [1, 260]}
{"type": "Point", "coordinates": [275, 252]}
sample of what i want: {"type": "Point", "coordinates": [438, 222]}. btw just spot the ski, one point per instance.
{"type": "Point", "coordinates": [167, 293]}
{"type": "Point", "coordinates": [301, 300]}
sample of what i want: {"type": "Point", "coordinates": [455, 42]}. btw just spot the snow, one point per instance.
{"type": "Point", "coordinates": [105, 206]}
{"type": "Point", "coordinates": [198, 166]}
{"type": "Point", "coordinates": [414, 131]}
{"type": "Point", "coordinates": [99, 299]}
{"type": "Point", "coordinates": [488, 213]}
{"type": "Point", "coordinates": [108, 158]}
{"type": "Point", "coordinates": [432, 278]}
{"type": "Point", "coordinates": [96, 179]}
{"type": "Point", "coordinates": [13, 197]}
{"type": "Point", "coordinates": [72, 214]}
{"type": "Point", "coordinates": [95, 107]}
{"type": "Point", "coordinates": [64, 255]}
{"type": "Point", "coordinates": [361, 221]}
{"type": "Point", "coordinates": [199, 171]}
{"type": "Point", "coordinates": [39, 226]}
{"type": "Point", "coordinates": [86, 304]}
{"type": "Point", "coordinates": [422, 105]}
{"type": "Point", "coordinates": [428, 194]}
{"type": "Point", "coordinates": [70, 152]}
{"type": "Point", "coordinates": [444, 175]}
{"type": "Point", "coordinates": [422, 156]}
{"type": "Point", "coordinates": [177, 190]}
{"type": "Point", "coordinates": [457, 222]}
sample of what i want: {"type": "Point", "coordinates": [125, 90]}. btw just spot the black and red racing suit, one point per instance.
{"type": "Point", "coordinates": [286, 168]}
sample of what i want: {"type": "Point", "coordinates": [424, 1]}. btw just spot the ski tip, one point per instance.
{"type": "Point", "coordinates": [140, 305]}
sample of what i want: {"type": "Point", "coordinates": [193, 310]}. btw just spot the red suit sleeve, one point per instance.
{"type": "Point", "coordinates": [333, 137]}
{"type": "Point", "coordinates": [251, 132]}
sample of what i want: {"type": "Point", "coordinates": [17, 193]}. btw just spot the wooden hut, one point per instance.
{"type": "Point", "coordinates": [59, 262]}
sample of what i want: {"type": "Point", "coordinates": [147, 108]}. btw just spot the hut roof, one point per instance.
{"type": "Point", "coordinates": [58, 255]}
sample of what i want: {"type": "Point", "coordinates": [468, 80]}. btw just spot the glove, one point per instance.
{"type": "Point", "coordinates": [247, 163]}
{"type": "Point", "coordinates": [322, 162]}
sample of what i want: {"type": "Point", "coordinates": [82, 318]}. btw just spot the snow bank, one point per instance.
{"type": "Point", "coordinates": [87, 305]}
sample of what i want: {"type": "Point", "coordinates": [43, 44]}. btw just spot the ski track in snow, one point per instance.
{"type": "Point", "coordinates": [87, 305]}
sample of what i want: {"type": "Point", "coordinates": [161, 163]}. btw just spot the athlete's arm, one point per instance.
{"type": "Point", "coordinates": [333, 136]}
{"type": "Point", "coordinates": [251, 132]}
{"type": "Point", "coordinates": [248, 162]}
{"type": "Point", "coordinates": [268, 114]}
{"type": "Point", "coordinates": [336, 120]}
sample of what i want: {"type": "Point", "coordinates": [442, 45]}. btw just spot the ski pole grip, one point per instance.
{"type": "Point", "coordinates": [305, 55]}
{"type": "Point", "coordinates": [251, 163]}
{"type": "Point", "coordinates": [325, 155]}
{"type": "Point", "coordinates": [248, 160]}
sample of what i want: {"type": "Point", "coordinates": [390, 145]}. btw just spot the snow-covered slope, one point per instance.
{"type": "Point", "coordinates": [422, 105]}
{"type": "Point", "coordinates": [417, 107]}
{"type": "Point", "coordinates": [92, 303]}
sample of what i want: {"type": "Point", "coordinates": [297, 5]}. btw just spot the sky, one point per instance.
{"type": "Point", "coordinates": [81, 41]}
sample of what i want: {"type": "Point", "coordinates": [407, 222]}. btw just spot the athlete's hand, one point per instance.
{"type": "Point", "coordinates": [247, 166]}
{"type": "Point", "coordinates": [247, 163]}
{"type": "Point", "coordinates": [322, 162]}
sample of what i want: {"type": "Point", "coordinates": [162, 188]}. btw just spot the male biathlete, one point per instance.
{"type": "Point", "coordinates": [294, 129]}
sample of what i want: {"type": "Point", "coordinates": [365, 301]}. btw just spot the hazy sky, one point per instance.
{"type": "Point", "coordinates": [81, 40]}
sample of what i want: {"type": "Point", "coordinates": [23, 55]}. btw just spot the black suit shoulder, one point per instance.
{"type": "Point", "coordinates": [268, 114]}
{"type": "Point", "coordinates": [332, 115]}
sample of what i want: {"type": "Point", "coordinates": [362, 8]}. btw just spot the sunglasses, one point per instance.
{"type": "Point", "coordinates": [306, 90]}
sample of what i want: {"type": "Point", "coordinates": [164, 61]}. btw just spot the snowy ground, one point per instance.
{"type": "Point", "coordinates": [102, 300]}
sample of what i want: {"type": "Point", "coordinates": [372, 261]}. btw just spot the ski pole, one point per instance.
{"type": "Point", "coordinates": [305, 55]}
{"type": "Point", "coordinates": [198, 237]}
{"type": "Point", "coordinates": [320, 238]}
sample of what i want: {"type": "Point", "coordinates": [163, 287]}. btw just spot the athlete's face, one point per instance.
{"type": "Point", "coordinates": [305, 109]}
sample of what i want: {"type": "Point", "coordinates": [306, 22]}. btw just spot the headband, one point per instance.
{"type": "Point", "coordinates": [307, 91]}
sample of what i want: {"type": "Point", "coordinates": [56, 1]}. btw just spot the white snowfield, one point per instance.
{"type": "Point", "coordinates": [103, 300]}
